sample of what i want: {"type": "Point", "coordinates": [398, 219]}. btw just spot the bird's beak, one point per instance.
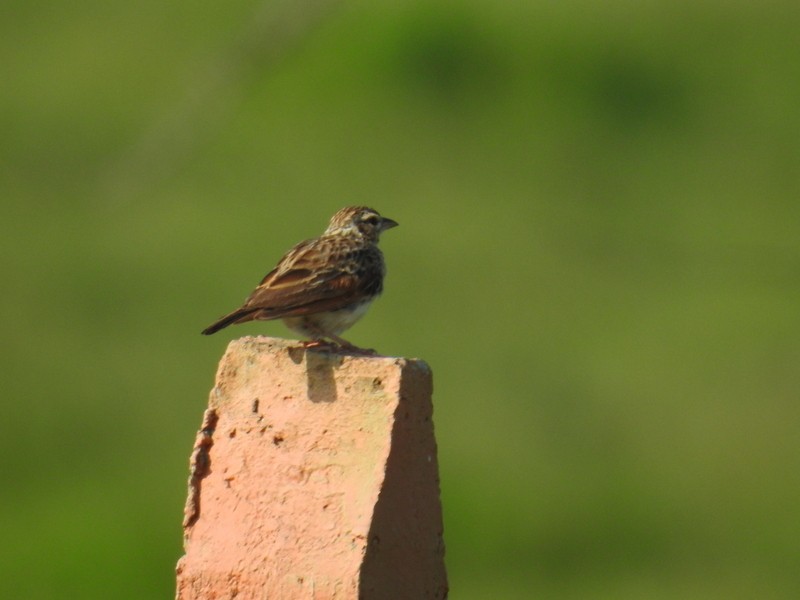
{"type": "Point", "coordinates": [387, 223]}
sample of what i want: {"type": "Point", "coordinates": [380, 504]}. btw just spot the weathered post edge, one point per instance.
{"type": "Point", "coordinates": [314, 475]}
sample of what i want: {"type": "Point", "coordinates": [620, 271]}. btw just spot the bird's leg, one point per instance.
{"type": "Point", "coordinates": [317, 338]}
{"type": "Point", "coordinates": [317, 343]}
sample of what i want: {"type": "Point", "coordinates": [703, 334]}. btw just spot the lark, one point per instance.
{"type": "Point", "coordinates": [322, 286]}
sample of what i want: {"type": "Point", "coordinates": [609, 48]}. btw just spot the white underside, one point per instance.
{"type": "Point", "coordinates": [327, 323]}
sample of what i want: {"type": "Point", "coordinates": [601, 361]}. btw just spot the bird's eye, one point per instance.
{"type": "Point", "coordinates": [371, 218]}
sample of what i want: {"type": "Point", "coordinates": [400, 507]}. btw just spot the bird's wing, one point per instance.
{"type": "Point", "coordinates": [303, 282]}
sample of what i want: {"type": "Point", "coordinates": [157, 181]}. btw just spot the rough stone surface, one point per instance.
{"type": "Point", "coordinates": [314, 477]}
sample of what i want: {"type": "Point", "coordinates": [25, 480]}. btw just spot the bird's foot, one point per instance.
{"type": "Point", "coordinates": [348, 347]}
{"type": "Point", "coordinates": [321, 344]}
{"type": "Point", "coordinates": [338, 344]}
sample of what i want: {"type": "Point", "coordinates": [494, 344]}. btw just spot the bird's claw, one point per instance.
{"type": "Point", "coordinates": [335, 346]}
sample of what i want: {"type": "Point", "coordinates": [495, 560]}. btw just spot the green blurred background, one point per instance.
{"type": "Point", "coordinates": [598, 255]}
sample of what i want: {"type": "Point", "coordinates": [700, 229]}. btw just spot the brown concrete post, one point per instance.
{"type": "Point", "coordinates": [314, 476]}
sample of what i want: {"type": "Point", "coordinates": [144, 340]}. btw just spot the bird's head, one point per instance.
{"type": "Point", "coordinates": [359, 220]}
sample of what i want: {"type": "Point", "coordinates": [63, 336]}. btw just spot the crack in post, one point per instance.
{"type": "Point", "coordinates": [199, 466]}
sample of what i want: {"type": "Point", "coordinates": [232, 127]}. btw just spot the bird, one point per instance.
{"type": "Point", "coordinates": [322, 286]}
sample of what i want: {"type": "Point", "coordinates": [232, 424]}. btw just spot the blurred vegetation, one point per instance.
{"type": "Point", "coordinates": [598, 255]}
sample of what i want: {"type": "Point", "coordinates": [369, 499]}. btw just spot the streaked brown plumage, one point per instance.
{"type": "Point", "coordinates": [324, 285]}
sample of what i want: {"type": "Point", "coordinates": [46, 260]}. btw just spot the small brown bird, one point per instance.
{"type": "Point", "coordinates": [322, 286]}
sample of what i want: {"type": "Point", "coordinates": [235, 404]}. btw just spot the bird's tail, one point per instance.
{"type": "Point", "coordinates": [236, 316]}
